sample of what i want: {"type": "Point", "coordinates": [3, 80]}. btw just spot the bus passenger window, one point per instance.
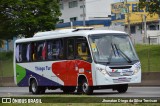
{"type": "Point", "coordinates": [55, 50]}
{"type": "Point", "coordinates": [33, 49]}
{"type": "Point", "coordinates": [44, 51]}
{"type": "Point", "coordinates": [70, 49]}
{"type": "Point", "coordinates": [39, 51]}
{"type": "Point", "coordinates": [83, 52]}
{"type": "Point", "coordinates": [28, 52]}
{"type": "Point", "coordinates": [49, 49]}
{"type": "Point", "coordinates": [24, 52]}
{"type": "Point", "coordinates": [19, 53]}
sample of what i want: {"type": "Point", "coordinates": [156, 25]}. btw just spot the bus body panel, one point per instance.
{"type": "Point", "coordinates": [68, 71]}
{"type": "Point", "coordinates": [61, 73]}
{"type": "Point", "coordinates": [39, 70]}
{"type": "Point", "coordinates": [116, 76]}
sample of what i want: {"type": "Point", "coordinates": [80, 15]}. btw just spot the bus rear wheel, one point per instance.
{"type": "Point", "coordinates": [122, 88]}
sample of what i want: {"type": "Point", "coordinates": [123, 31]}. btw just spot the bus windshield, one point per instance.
{"type": "Point", "coordinates": [112, 48]}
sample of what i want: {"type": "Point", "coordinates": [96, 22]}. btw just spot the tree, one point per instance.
{"type": "Point", "coordinates": [1, 42]}
{"type": "Point", "coordinates": [152, 6]}
{"type": "Point", "coordinates": [26, 17]}
{"type": "Point", "coordinates": [5, 21]}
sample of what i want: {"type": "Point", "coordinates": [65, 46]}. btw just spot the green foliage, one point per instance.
{"type": "Point", "coordinates": [152, 6]}
{"type": "Point", "coordinates": [6, 55]}
{"type": "Point", "coordinates": [26, 17]}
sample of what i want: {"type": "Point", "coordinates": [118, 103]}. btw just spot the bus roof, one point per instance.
{"type": "Point", "coordinates": [65, 33]}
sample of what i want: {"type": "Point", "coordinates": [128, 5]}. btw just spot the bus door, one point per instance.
{"type": "Point", "coordinates": [71, 72]}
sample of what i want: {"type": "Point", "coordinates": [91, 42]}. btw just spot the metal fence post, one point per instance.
{"type": "Point", "coordinates": [148, 59]}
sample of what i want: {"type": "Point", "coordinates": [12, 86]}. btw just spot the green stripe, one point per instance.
{"type": "Point", "coordinates": [20, 73]}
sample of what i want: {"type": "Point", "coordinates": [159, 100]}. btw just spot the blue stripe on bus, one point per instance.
{"type": "Point", "coordinates": [42, 81]}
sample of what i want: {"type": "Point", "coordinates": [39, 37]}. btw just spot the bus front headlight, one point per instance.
{"type": "Point", "coordinates": [103, 71]}
{"type": "Point", "coordinates": [136, 70]}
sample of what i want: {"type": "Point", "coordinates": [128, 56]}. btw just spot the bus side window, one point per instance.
{"type": "Point", "coordinates": [39, 50]}
{"type": "Point", "coordinates": [55, 50]}
{"type": "Point", "coordinates": [49, 49]}
{"type": "Point", "coordinates": [28, 54]}
{"type": "Point", "coordinates": [70, 49]}
{"type": "Point", "coordinates": [33, 50]}
{"type": "Point", "coordinates": [83, 52]}
{"type": "Point", "coordinates": [44, 51]}
{"type": "Point", "coordinates": [17, 53]}
{"type": "Point", "coordinates": [20, 53]}
{"type": "Point", "coordinates": [24, 52]}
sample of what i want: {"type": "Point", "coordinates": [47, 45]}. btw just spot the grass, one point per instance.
{"type": "Point", "coordinates": [149, 56]}
{"type": "Point", "coordinates": [6, 68]}
{"type": "Point", "coordinates": [85, 104]}
{"type": "Point", "coordinates": [6, 64]}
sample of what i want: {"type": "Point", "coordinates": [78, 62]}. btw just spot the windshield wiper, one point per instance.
{"type": "Point", "coordinates": [123, 54]}
{"type": "Point", "coordinates": [110, 56]}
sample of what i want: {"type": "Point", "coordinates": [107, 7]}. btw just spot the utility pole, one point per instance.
{"type": "Point", "coordinates": [145, 28]}
{"type": "Point", "coordinates": [159, 20]}
{"type": "Point", "coordinates": [128, 20]}
{"type": "Point", "coordinates": [71, 24]}
{"type": "Point", "coordinates": [84, 15]}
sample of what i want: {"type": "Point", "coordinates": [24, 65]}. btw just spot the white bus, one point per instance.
{"type": "Point", "coordinates": [76, 59]}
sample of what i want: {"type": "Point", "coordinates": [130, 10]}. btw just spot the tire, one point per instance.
{"type": "Point", "coordinates": [42, 90]}
{"type": "Point", "coordinates": [35, 89]}
{"type": "Point", "coordinates": [122, 88]}
{"type": "Point", "coordinates": [85, 88]}
{"type": "Point", "coordinates": [68, 89]}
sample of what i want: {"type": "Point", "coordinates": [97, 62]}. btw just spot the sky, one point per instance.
{"type": "Point", "coordinates": [116, 0]}
{"type": "Point", "coordinates": [122, 0]}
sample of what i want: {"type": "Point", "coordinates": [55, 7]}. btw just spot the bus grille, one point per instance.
{"type": "Point", "coordinates": [118, 74]}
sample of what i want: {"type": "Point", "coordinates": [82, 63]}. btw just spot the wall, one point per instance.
{"type": "Point", "coordinates": [67, 12]}
{"type": "Point", "coordinates": [93, 8]}
{"type": "Point", "coordinates": [98, 8]}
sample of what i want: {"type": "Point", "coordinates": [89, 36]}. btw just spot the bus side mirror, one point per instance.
{"type": "Point", "coordinates": [83, 47]}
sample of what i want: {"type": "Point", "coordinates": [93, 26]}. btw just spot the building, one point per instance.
{"type": "Point", "coordinates": [7, 45]}
{"type": "Point", "coordinates": [128, 13]}
{"type": "Point", "coordinates": [76, 10]}
{"type": "Point", "coordinates": [153, 36]}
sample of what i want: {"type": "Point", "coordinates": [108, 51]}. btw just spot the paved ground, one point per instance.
{"type": "Point", "coordinates": [132, 92]}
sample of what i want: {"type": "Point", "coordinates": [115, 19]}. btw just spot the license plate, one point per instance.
{"type": "Point", "coordinates": [121, 80]}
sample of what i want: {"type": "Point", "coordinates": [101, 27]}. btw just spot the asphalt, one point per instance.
{"type": "Point", "coordinates": [132, 92]}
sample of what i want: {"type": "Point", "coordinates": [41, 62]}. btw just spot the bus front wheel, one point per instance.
{"type": "Point", "coordinates": [85, 88]}
{"type": "Point", "coordinates": [122, 88]}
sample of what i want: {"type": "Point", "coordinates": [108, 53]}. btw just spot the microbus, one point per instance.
{"type": "Point", "coordinates": [81, 60]}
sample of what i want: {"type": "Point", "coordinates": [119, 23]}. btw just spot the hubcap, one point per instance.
{"type": "Point", "coordinates": [85, 87]}
{"type": "Point", "coordinates": [33, 87]}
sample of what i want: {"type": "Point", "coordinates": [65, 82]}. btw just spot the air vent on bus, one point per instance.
{"type": "Point", "coordinates": [83, 28]}
{"type": "Point", "coordinates": [120, 67]}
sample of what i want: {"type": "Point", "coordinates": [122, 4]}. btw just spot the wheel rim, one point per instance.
{"type": "Point", "coordinates": [85, 87]}
{"type": "Point", "coordinates": [34, 87]}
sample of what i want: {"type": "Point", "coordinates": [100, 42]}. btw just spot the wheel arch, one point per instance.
{"type": "Point", "coordinates": [31, 79]}
{"type": "Point", "coordinates": [81, 77]}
